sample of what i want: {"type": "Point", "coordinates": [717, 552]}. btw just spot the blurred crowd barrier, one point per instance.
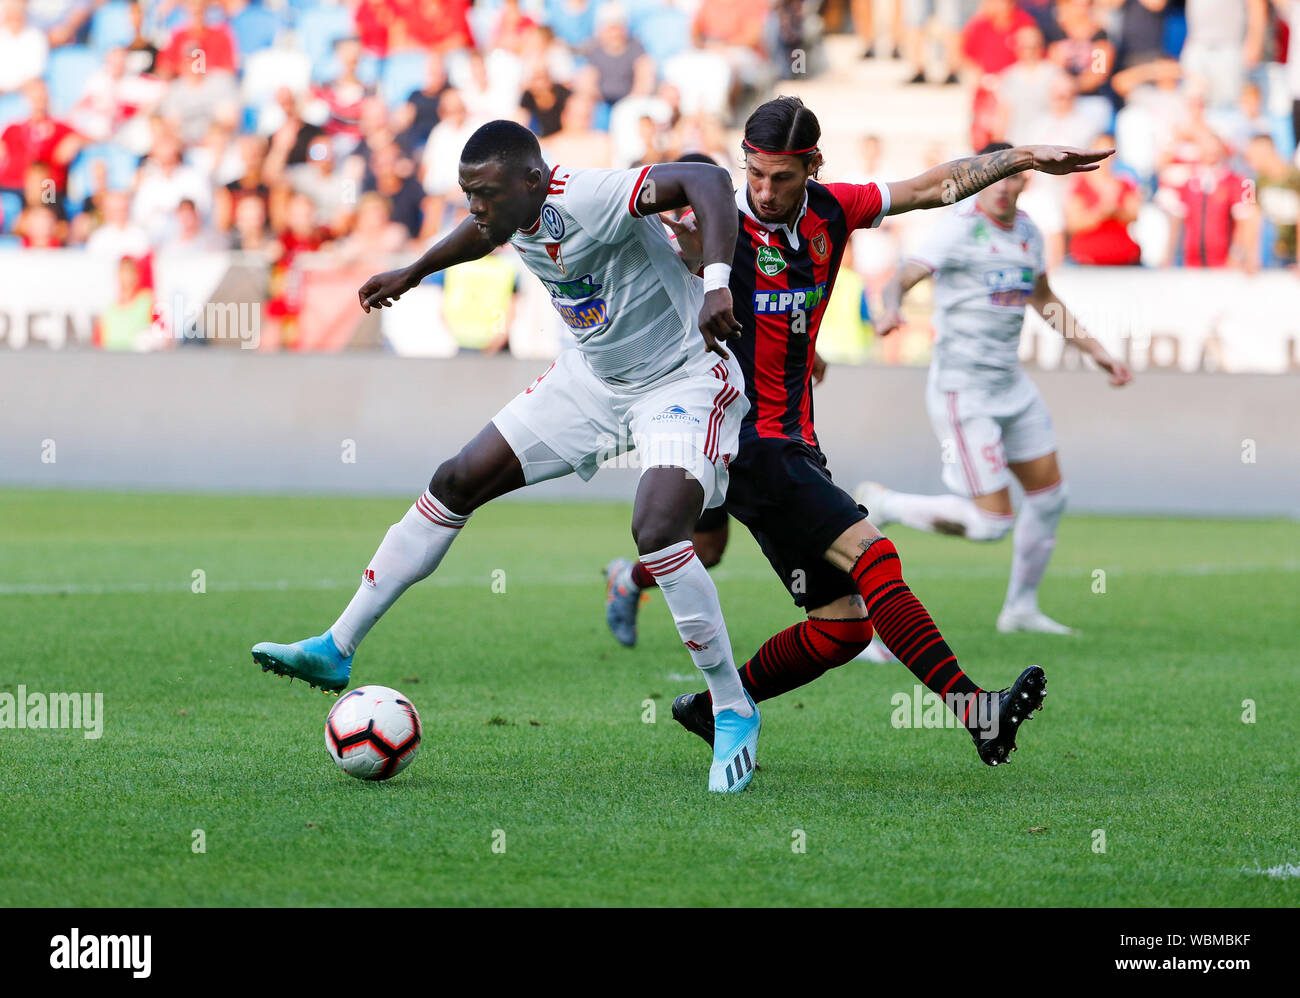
{"type": "Point", "coordinates": [1167, 319]}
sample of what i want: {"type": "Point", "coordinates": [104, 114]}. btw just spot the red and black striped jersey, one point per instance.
{"type": "Point", "coordinates": [781, 278]}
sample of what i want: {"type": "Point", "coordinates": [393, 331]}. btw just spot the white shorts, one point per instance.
{"type": "Point", "coordinates": [980, 432]}
{"type": "Point", "coordinates": [570, 420]}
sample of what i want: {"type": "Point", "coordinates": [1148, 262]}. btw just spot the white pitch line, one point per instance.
{"type": "Point", "coordinates": [591, 578]}
{"type": "Point", "coordinates": [1282, 871]}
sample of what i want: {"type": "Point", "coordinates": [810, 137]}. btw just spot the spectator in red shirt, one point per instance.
{"type": "Point", "coordinates": [38, 139]}
{"type": "Point", "coordinates": [1212, 207]}
{"type": "Point", "coordinates": [345, 93]}
{"type": "Point", "coordinates": [987, 41]}
{"type": "Point", "coordinates": [1099, 208]}
{"type": "Point", "coordinates": [39, 228]}
{"type": "Point", "coordinates": [386, 25]}
{"type": "Point", "coordinates": [987, 48]}
{"type": "Point", "coordinates": [215, 46]}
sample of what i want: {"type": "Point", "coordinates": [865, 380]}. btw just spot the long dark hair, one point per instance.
{"type": "Point", "coordinates": [783, 126]}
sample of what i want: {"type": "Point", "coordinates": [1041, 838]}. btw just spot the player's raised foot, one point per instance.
{"type": "Point", "coordinates": [876, 652]}
{"type": "Point", "coordinates": [316, 661]}
{"type": "Point", "coordinates": [1013, 619]}
{"type": "Point", "coordinates": [995, 737]}
{"type": "Point", "coordinates": [622, 600]}
{"type": "Point", "coordinates": [694, 712]}
{"type": "Point", "coordinates": [875, 497]}
{"type": "Point", "coordinates": [735, 749]}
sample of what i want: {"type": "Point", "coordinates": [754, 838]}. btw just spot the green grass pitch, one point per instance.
{"type": "Point", "coordinates": [534, 722]}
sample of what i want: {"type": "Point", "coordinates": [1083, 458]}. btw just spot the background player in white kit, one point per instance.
{"type": "Point", "coordinates": [648, 372]}
{"type": "Point", "coordinates": [987, 262]}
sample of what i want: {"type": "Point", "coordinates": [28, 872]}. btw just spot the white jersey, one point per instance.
{"type": "Point", "coordinates": [984, 273]}
{"type": "Point", "coordinates": [613, 276]}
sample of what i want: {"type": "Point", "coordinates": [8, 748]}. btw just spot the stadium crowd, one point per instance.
{"type": "Point", "coordinates": [141, 130]}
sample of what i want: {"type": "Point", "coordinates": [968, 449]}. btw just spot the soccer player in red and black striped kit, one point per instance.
{"type": "Point", "coordinates": [837, 566]}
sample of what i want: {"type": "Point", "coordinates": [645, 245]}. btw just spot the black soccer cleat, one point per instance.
{"type": "Point", "coordinates": [694, 712]}
{"type": "Point", "coordinates": [1014, 706]}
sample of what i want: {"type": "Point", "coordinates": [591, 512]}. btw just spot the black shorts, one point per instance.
{"type": "Point", "coordinates": [711, 520]}
{"type": "Point", "coordinates": [781, 490]}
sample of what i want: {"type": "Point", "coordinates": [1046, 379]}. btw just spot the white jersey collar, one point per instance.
{"type": "Point", "coordinates": [791, 233]}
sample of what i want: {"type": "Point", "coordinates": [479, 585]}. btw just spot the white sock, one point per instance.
{"type": "Point", "coordinates": [948, 514]}
{"type": "Point", "coordinates": [693, 599]}
{"type": "Point", "coordinates": [1035, 539]}
{"type": "Point", "coordinates": [410, 551]}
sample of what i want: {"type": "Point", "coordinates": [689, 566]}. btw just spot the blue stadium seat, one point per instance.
{"type": "Point", "coordinates": [255, 29]}
{"type": "Point", "coordinates": [403, 73]}
{"type": "Point", "coordinates": [639, 8]}
{"type": "Point", "coordinates": [12, 206]}
{"type": "Point", "coordinates": [121, 169]}
{"type": "Point", "coordinates": [110, 26]}
{"type": "Point", "coordinates": [663, 32]}
{"type": "Point", "coordinates": [10, 243]}
{"type": "Point", "coordinates": [69, 68]}
{"type": "Point", "coordinates": [575, 31]}
{"type": "Point", "coordinates": [368, 69]}
{"type": "Point", "coordinates": [320, 29]}
{"type": "Point", "coordinates": [13, 107]}
{"type": "Point", "coordinates": [296, 8]}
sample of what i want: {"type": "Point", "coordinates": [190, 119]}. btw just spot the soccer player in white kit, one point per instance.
{"type": "Point", "coordinates": [986, 258]}
{"type": "Point", "coordinates": [648, 373]}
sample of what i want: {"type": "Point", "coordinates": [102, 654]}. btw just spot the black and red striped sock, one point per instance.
{"type": "Point", "coordinates": [799, 654]}
{"type": "Point", "coordinates": [904, 625]}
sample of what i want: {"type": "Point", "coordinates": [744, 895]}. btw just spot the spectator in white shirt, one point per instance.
{"type": "Point", "coordinates": [117, 236]}
{"type": "Point", "coordinates": [23, 48]}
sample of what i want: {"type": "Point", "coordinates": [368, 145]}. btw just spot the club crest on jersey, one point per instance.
{"type": "Point", "coordinates": [770, 261]}
{"type": "Point", "coordinates": [553, 222]}
{"type": "Point", "coordinates": [553, 251]}
{"type": "Point", "coordinates": [818, 249]}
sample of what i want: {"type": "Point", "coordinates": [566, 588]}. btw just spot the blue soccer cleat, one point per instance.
{"type": "Point", "coordinates": [316, 661]}
{"type": "Point", "coordinates": [622, 601]}
{"type": "Point", "coordinates": [735, 749]}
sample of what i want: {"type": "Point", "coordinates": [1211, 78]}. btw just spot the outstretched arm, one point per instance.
{"type": "Point", "coordinates": [1055, 314]}
{"type": "Point", "coordinates": [907, 277]}
{"type": "Point", "coordinates": [707, 189]}
{"type": "Point", "coordinates": [951, 182]}
{"type": "Point", "coordinates": [464, 243]}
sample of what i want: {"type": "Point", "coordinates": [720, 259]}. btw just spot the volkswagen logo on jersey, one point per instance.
{"type": "Point", "coordinates": [553, 222]}
{"type": "Point", "coordinates": [770, 260]}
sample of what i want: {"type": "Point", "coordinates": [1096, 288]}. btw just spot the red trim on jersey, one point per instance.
{"type": "Point", "coordinates": [862, 203]}
{"type": "Point", "coordinates": [1001, 225]}
{"type": "Point", "coordinates": [724, 398]}
{"type": "Point", "coordinates": [636, 192]}
{"type": "Point", "coordinates": [809, 226]}
{"type": "Point", "coordinates": [771, 341]}
{"type": "Point", "coordinates": [554, 186]}
{"type": "Point", "coordinates": [968, 466]}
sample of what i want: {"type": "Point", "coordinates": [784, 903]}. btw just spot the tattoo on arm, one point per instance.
{"type": "Point", "coordinates": [971, 175]}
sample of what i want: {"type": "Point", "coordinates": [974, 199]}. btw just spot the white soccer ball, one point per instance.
{"type": "Point", "coordinates": [372, 733]}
